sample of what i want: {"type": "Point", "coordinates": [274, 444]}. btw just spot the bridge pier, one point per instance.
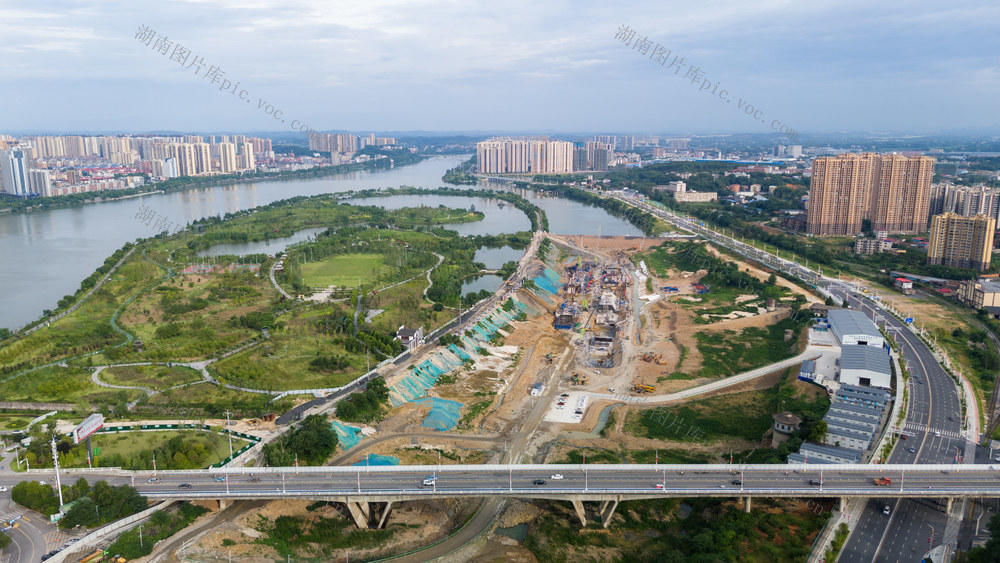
{"type": "Point", "coordinates": [949, 503]}
{"type": "Point", "coordinates": [385, 515]}
{"type": "Point", "coordinates": [608, 510]}
{"type": "Point", "coordinates": [359, 512]}
{"type": "Point", "coordinates": [578, 506]}
{"type": "Point", "coordinates": [842, 505]}
{"type": "Point", "coordinates": [224, 503]}
{"type": "Point", "coordinates": [746, 504]}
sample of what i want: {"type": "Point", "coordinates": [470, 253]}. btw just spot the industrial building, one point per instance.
{"type": "Point", "coordinates": [865, 366]}
{"type": "Point", "coordinates": [854, 328]}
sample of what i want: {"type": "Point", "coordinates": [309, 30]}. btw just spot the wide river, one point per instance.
{"type": "Point", "coordinates": [46, 254]}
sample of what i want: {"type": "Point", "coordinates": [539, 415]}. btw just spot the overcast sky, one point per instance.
{"type": "Point", "coordinates": [470, 65]}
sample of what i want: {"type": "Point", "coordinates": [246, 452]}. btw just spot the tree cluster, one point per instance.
{"type": "Point", "coordinates": [312, 443]}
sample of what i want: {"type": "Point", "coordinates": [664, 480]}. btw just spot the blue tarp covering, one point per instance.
{"type": "Point", "coordinates": [444, 414]}
{"type": "Point", "coordinates": [349, 436]}
{"type": "Point", "coordinates": [375, 459]}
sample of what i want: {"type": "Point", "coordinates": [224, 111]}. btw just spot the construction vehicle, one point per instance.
{"type": "Point", "coordinates": [578, 379]}
{"type": "Point", "coordinates": [117, 559]}
{"type": "Point", "coordinates": [882, 481]}
{"type": "Point", "coordinates": [94, 556]}
{"type": "Point", "coordinates": [269, 417]}
{"type": "Point", "coordinates": [640, 388]}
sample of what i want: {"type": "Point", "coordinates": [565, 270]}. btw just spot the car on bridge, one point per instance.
{"type": "Point", "coordinates": [219, 479]}
{"type": "Point", "coordinates": [428, 482]}
{"type": "Point", "coordinates": [538, 482]}
{"type": "Point", "coordinates": [153, 480]}
{"type": "Point", "coordinates": [184, 486]}
{"type": "Point", "coordinates": [816, 482]}
{"type": "Point", "coordinates": [738, 482]}
{"type": "Point", "coordinates": [253, 480]}
{"type": "Point", "coordinates": [556, 476]}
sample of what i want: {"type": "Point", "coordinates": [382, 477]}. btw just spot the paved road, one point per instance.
{"type": "Point", "coordinates": [933, 481]}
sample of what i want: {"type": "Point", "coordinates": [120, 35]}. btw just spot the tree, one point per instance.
{"type": "Point", "coordinates": [990, 551]}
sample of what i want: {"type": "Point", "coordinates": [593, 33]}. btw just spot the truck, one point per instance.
{"type": "Point", "coordinates": [882, 481]}
{"type": "Point", "coordinates": [639, 388]}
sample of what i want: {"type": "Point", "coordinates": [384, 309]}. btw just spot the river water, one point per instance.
{"type": "Point", "coordinates": [46, 254]}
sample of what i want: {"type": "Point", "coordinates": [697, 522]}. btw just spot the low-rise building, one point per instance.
{"type": "Point", "coordinates": [981, 293]}
{"type": "Point", "coordinates": [904, 285]}
{"type": "Point", "coordinates": [822, 453]}
{"type": "Point", "coordinates": [870, 246]}
{"type": "Point", "coordinates": [696, 197]}
{"type": "Point", "coordinates": [410, 337]}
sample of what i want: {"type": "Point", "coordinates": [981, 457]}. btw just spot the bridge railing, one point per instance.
{"type": "Point", "coordinates": [888, 470]}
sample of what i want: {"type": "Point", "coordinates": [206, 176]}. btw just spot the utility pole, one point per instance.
{"type": "Point", "coordinates": [229, 430]}
{"type": "Point", "coordinates": [55, 463]}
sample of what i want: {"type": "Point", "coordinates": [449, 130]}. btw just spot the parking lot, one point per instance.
{"type": "Point", "coordinates": [571, 410]}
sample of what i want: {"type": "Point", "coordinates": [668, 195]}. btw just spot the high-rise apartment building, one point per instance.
{"type": "Point", "coordinates": [227, 158]}
{"type": "Point", "coordinates": [186, 164]}
{"type": "Point", "coordinates": [40, 182]}
{"type": "Point", "coordinates": [892, 191]}
{"type": "Point", "coordinates": [202, 158]}
{"type": "Point", "coordinates": [247, 160]}
{"type": "Point", "coordinates": [14, 165]}
{"type": "Point", "coordinates": [961, 242]}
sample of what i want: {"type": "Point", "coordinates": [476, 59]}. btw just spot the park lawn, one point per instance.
{"type": "Point", "coordinates": [127, 443]}
{"type": "Point", "coordinates": [86, 329]}
{"type": "Point", "coordinates": [153, 377]}
{"type": "Point", "coordinates": [212, 400]}
{"type": "Point", "coordinates": [344, 270]}
{"type": "Point", "coordinates": [63, 385]}
{"type": "Point", "coordinates": [17, 420]}
{"type": "Point", "coordinates": [405, 305]}
{"type": "Point", "coordinates": [282, 363]}
{"type": "Point", "coordinates": [202, 331]}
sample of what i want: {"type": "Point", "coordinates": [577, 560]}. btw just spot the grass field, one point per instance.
{"type": "Point", "coordinates": [344, 270]}
{"type": "Point", "coordinates": [214, 400]}
{"type": "Point", "coordinates": [126, 443]}
{"type": "Point", "coordinates": [153, 377]}
{"type": "Point", "coordinates": [65, 385]}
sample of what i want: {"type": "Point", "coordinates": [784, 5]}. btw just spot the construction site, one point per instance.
{"type": "Point", "coordinates": [550, 366]}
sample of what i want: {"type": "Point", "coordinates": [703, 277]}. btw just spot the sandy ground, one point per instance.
{"type": "Point", "coordinates": [414, 523]}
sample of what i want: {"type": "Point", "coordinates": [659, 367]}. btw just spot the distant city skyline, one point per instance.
{"type": "Point", "coordinates": [465, 68]}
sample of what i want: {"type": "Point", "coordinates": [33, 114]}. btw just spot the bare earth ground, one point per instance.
{"type": "Point", "coordinates": [414, 524]}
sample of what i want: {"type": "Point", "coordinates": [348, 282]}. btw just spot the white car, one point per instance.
{"type": "Point", "coordinates": [556, 477]}
{"type": "Point", "coordinates": [3, 489]}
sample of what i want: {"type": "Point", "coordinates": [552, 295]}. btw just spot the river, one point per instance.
{"type": "Point", "coordinates": [46, 254]}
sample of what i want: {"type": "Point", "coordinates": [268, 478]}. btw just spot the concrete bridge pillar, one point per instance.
{"type": "Point", "coordinates": [949, 503]}
{"type": "Point", "coordinates": [746, 504]}
{"type": "Point", "coordinates": [608, 510]}
{"type": "Point", "coordinates": [359, 512]}
{"type": "Point", "coordinates": [385, 515]}
{"type": "Point", "coordinates": [842, 505]}
{"type": "Point", "coordinates": [224, 503]}
{"type": "Point", "coordinates": [578, 506]}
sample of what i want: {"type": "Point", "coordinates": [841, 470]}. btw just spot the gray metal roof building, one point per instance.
{"type": "Point", "coordinates": [853, 327]}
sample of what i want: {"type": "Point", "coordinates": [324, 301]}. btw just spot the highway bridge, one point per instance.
{"type": "Point", "coordinates": [359, 487]}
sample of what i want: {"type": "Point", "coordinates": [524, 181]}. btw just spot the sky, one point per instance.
{"type": "Point", "coordinates": [473, 66]}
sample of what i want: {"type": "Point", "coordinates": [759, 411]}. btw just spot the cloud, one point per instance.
{"type": "Point", "coordinates": [473, 64]}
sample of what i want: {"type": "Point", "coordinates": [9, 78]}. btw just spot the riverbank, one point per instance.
{"type": "Point", "coordinates": [12, 205]}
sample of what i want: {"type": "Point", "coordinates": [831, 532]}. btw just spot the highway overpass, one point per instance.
{"type": "Point", "coordinates": [359, 486]}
